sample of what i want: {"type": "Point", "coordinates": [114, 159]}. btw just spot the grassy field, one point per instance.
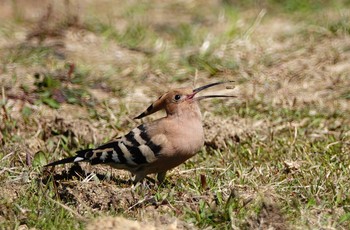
{"type": "Point", "coordinates": [73, 74]}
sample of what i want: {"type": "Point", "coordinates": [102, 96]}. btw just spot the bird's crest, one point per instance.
{"type": "Point", "coordinates": [154, 107]}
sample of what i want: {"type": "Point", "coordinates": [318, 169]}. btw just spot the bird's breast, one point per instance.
{"type": "Point", "coordinates": [189, 138]}
{"type": "Point", "coordinates": [179, 141]}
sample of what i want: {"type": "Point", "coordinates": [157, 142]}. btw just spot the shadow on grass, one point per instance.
{"type": "Point", "coordinates": [76, 172]}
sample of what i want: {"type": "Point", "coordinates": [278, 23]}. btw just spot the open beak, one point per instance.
{"type": "Point", "coordinates": [199, 89]}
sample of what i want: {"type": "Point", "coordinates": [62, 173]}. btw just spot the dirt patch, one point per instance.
{"type": "Point", "coordinates": [119, 223]}
{"type": "Point", "coordinates": [97, 188]}
{"type": "Point", "coordinates": [269, 217]}
{"type": "Point", "coordinates": [7, 192]}
{"type": "Point", "coordinates": [219, 132]}
{"type": "Point", "coordinates": [98, 191]}
{"type": "Point", "coordinates": [8, 195]}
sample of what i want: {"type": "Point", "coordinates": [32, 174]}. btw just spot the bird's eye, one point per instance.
{"type": "Point", "coordinates": [177, 97]}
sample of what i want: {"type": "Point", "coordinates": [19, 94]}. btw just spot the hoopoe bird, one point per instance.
{"type": "Point", "coordinates": [158, 146]}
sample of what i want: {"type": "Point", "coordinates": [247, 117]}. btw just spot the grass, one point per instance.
{"type": "Point", "coordinates": [275, 157]}
{"type": "Point", "coordinates": [34, 208]}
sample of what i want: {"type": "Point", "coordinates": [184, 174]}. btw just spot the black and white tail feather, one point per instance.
{"type": "Point", "coordinates": [80, 156]}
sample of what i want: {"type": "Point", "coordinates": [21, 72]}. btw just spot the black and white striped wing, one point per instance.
{"type": "Point", "coordinates": [134, 149]}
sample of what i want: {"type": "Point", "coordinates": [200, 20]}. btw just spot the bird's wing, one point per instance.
{"type": "Point", "coordinates": [132, 150]}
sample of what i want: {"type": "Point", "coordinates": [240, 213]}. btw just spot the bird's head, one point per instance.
{"type": "Point", "coordinates": [178, 100]}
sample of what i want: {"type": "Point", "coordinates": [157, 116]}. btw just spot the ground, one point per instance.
{"type": "Point", "coordinates": [74, 74]}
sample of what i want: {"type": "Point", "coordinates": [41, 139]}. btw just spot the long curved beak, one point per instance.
{"type": "Point", "coordinates": [199, 89]}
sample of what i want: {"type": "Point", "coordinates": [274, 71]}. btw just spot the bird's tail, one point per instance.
{"type": "Point", "coordinates": [81, 156]}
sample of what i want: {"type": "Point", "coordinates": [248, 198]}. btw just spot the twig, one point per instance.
{"type": "Point", "coordinates": [7, 156]}
{"type": "Point", "coordinates": [3, 95]}
{"type": "Point", "coordinates": [255, 24]}
{"type": "Point", "coordinates": [6, 117]}
{"type": "Point", "coordinates": [331, 144]}
{"type": "Point", "coordinates": [89, 177]}
{"type": "Point", "coordinates": [10, 170]}
{"type": "Point", "coordinates": [295, 135]}
{"type": "Point", "coordinates": [140, 202]}
{"type": "Point", "coordinates": [203, 169]}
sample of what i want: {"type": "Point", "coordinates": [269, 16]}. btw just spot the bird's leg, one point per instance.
{"type": "Point", "coordinates": [139, 177]}
{"type": "Point", "coordinates": [150, 179]}
{"type": "Point", "coordinates": [161, 176]}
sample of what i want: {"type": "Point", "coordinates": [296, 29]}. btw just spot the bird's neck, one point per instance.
{"type": "Point", "coordinates": [188, 113]}
{"type": "Point", "coordinates": [188, 120]}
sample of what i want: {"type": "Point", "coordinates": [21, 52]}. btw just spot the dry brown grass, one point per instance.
{"type": "Point", "coordinates": [277, 157]}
